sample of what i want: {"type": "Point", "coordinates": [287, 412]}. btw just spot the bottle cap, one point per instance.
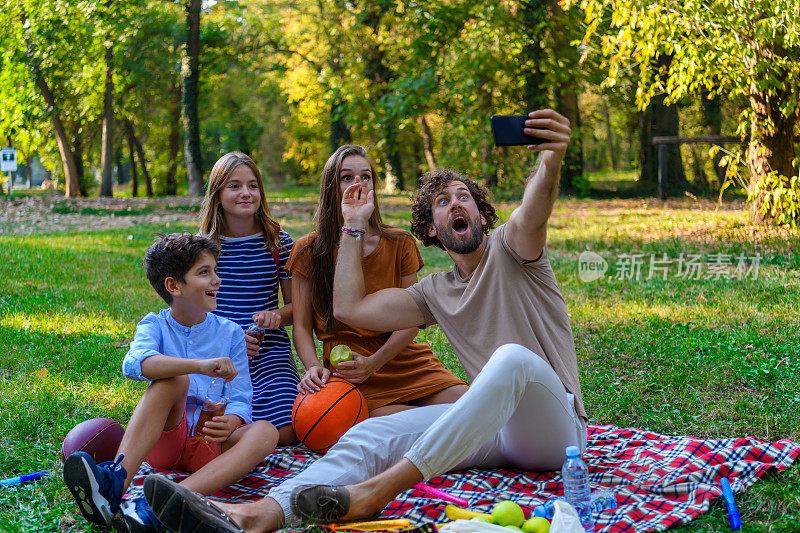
{"type": "Point", "coordinates": [573, 451]}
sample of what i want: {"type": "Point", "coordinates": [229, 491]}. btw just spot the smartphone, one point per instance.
{"type": "Point", "coordinates": [507, 131]}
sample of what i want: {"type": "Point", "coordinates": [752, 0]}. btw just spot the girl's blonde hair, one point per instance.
{"type": "Point", "coordinates": [212, 221]}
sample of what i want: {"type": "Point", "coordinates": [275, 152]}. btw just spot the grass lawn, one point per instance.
{"type": "Point", "coordinates": [713, 357]}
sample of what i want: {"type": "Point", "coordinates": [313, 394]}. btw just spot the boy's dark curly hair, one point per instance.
{"type": "Point", "coordinates": [435, 182]}
{"type": "Point", "coordinates": [172, 256]}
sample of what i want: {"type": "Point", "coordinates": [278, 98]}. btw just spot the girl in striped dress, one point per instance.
{"type": "Point", "coordinates": [251, 266]}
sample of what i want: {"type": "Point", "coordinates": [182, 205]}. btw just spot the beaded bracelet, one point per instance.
{"type": "Point", "coordinates": [354, 232]}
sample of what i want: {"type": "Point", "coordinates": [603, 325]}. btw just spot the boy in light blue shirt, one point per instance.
{"type": "Point", "coordinates": [179, 350]}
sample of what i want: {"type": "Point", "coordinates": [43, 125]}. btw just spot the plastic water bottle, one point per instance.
{"type": "Point", "coordinates": [576, 487]}
{"type": "Point", "coordinates": [601, 501]}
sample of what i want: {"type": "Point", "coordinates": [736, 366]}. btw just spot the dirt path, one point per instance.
{"type": "Point", "coordinates": [27, 215]}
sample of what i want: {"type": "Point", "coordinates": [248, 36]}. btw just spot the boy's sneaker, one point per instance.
{"type": "Point", "coordinates": [138, 516]}
{"type": "Point", "coordinates": [96, 488]}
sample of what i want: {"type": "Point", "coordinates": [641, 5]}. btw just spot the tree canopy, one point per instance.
{"type": "Point", "coordinates": [415, 81]}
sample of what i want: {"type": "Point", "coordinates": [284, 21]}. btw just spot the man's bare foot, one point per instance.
{"type": "Point", "coordinates": [257, 517]}
{"type": "Point", "coordinates": [365, 502]}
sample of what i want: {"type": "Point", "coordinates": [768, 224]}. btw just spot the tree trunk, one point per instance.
{"type": "Point", "coordinates": [656, 121]}
{"type": "Point", "coordinates": [699, 171]}
{"type": "Point", "coordinates": [28, 173]}
{"type": "Point", "coordinates": [148, 183]}
{"type": "Point", "coordinates": [417, 156]}
{"type": "Point", "coordinates": [660, 120]}
{"type": "Point", "coordinates": [566, 96]}
{"type": "Point", "coordinates": [612, 150]}
{"type": "Point", "coordinates": [535, 16]}
{"type": "Point", "coordinates": [67, 159]}
{"type": "Point", "coordinates": [173, 141]}
{"type": "Point", "coordinates": [392, 153]}
{"type": "Point", "coordinates": [427, 142]}
{"type": "Point", "coordinates": [107, 148]}
{"type": "Point", "coordinates": [27, 158]}
{"type": "Point", "coordinates": [77, 153]}
{"type": "Point", "coordinates": [131, 156]}
{"type": "Point", "coordinates": [572, 167]}
{"type": "Point", "coordinates": [488, 163]}
{"type": "Point", "coordinates": [770, 149]}
{"type": "Point", "coordinates": [121, 177]}
{"type": "Point", "coordinates": [340, 132]}
{"type": "Point", "coordinates": [189, 97]}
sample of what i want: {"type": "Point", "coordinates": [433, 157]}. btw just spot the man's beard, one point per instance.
{"type": "Point", "coordinates": [454, 244]}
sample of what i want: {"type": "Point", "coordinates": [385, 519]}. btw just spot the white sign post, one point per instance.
{"type": "Point", "coordinates": [8, 163]}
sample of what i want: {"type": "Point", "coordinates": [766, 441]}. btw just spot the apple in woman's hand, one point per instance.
{"type": "Point", "coordinates": [340, 353]}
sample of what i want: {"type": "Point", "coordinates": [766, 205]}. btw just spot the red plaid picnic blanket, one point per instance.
{"type": "Point", "coordinates": [658, 480]}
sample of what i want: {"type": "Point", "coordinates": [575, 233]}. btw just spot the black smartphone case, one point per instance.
{"type": "Point", "coordinates": [507, 131]}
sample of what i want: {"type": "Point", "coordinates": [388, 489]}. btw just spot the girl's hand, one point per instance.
{"type": "Point", "coordinates": [357, 205]}
{"type": "Point", "coordinates": [357, 370]}
{"type": "Point", "coordinates": [219, 367]}
{"type": "Point", "coordinates": [314, 379]}
{"type": "Point", "coordinates": [268, 319]}
{"type": "Point", "coordinates": [219, 428]}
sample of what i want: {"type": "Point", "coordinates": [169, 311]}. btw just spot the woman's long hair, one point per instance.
{"type": "Point", "coordinates": [329, 229]}
{"type": "Point", "coordinates": [212, 221]}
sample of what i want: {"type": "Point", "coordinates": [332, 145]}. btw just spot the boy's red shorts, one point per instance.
{"type": "Point", "coordinates": [176, 450]}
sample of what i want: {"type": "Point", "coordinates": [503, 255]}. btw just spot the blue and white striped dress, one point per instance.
{"type": "Point", "coordinates": [250, 284]}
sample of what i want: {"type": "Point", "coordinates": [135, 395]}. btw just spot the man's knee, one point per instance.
{"type": "Point", "coordinates": [515, 356]}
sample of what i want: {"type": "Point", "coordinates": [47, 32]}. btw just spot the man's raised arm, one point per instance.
{"type": "Point", "coordinates": [526, 231]}
{"type": "Point", "coordinates": [385, 310]}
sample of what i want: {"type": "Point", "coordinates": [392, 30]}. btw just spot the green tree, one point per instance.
{"type": "Point", "coordinates": [738, 48]}
{"type": "Point", "coordinates": [45, 49]}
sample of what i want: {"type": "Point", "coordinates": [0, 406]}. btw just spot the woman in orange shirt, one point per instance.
{"type": "Point", "coordinates": [393, 372]}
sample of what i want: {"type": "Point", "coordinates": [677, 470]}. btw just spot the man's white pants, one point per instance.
{"type": "Point", "coordinates": [516, 413]}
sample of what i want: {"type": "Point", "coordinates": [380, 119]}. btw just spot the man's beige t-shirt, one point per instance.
{"type": "Point", "coordinates": [505, 300]}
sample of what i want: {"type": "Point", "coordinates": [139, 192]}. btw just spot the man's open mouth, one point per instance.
{"type": "Point", "coordinates": [212, 294]}
{"type": "Point", "coordinates": [460, 224]}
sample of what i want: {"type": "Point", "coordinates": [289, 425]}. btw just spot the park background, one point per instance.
{"type": "Point", "coordinates": [124, 106]}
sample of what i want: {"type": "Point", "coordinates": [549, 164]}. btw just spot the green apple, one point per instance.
{"type": "Point", "coordinates": [481, 519]}
{"type": "Point", "coordinates": [537, 524]}
{"type": "Point", "coordinates": [340, 353]}
{"type": "Point", "coordinates": [508, 513]}
{"type": "Point", "coordinates": [513, 528]}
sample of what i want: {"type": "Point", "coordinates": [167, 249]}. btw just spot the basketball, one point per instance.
{"type": "Point", "coordinates": [99, 437]}
{"type": "Point", "coordinates": [320, 419]}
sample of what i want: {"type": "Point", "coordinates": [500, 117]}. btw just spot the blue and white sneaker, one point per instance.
{"type": "Point", "coordinates": [138, 516]}
{"type": "Point", "coordinates": [96, 488]}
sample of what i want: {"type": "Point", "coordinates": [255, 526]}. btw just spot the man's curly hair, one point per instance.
{"type": "Point", "coordinates": [435, 182]}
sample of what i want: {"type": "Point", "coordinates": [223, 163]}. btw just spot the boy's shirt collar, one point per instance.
{"type": "Point", "coordinates": [187, 329]}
